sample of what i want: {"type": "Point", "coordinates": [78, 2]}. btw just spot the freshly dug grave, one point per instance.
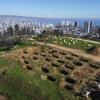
{"type": "Point", "coordinates": [48, 59]}
{"type": "Point", "coordinates": [43, 54]}
{"type": "Point", "coordinates": [55, 56]}
{"type": "Point", "coordinates": [70, 80]}
{"type": "Point", "coordinates": [62, 53]}
{"type": "Point", "coordinates": [36, 52]}
{"type": "Point", "coordinates": [74, 55]}
{"type": "Point", "coordinates": [61, 61]}
{"type": "Point", "coordinates": [45, 70]}
{"type": "Point", "coordinates": [25, 52]}
{"type": "Point", "coordinates": [83, 59]}
{"type": "Point", "coordinates": [55, 64]}
{"type": "Point", "coordinates": [70, 66]}
{"type": "Point", "coordinates": [63, 71]}
{"type": "Point", "coordinates": [69, 87]}
{"type": "Point", "coordinates": [23, 57]}
{"type": "Point", "coordinates": [26, 62]}
{"type": "Point", "coordinates": [95, 65]}
{"type": "Point", "coordinates": [54, 50]}
{"type": "Point", "coordinates": [35, 57]}
{"type": "Point", "coordinates": [51, 78]}
{"type": "Point", "coordinates": [29, 67]}
{"type": "Point", "coordinates": [69, 57]}
{"type": "Point", "coordinates": [77, 62]}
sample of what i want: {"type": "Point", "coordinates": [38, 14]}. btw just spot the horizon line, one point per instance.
{"type": "Point", "coordinates": [51, 17]}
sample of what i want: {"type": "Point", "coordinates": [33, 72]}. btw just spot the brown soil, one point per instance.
{"type": "Point", "coordinates": [74, 51]}
{"type": "Point", "coordinates": [2, 97]}
{"type": "Point", "coordinates": [51, 65]}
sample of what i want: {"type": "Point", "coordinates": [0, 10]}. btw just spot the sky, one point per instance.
{"type": "Point", "coordinates": [51, 8]}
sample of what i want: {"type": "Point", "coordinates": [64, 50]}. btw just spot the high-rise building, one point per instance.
{"type": "Point", "coordinates": [75, 24]}
{"type": "Point", "coordinates": [87, 27]}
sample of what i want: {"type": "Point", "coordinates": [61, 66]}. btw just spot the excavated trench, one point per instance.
{"type": "Point", "coordinates": [47, 59]}
{"type": "Point", "coordinates": [77, 63]}
{"type": "Point", "coordinates": [34, 57]}
{"type": "Point", "coordinates": [64, 72]}
{"type": "Point", "coordinates": [70, 80]}
{"type": "Point", "coordinates": [45, 70]}
{"type": "Point", "coordinates": [51, 78]}
{"type": "Point", "coordinates": [26, 62]}
{"type": "Point", "coordinates": [29, 67]}
{"type": "Point", "coordinates": [69, 87]}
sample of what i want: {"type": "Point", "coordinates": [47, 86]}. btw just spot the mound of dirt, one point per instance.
{"type": "Point", "coordinates": [3, 97]}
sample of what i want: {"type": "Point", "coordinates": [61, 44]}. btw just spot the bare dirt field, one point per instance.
{"type": "Point", "coordinates": [75, 51]}
{"type": "Point", "coordinates": [71, 68]}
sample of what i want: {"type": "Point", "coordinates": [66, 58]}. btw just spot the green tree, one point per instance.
{"type": "Point", "coordinates": [10, 31]}
{"type": "Point", "coordinates": [99, 32]}
{"type": "Point", "coordinates": [17, 30]}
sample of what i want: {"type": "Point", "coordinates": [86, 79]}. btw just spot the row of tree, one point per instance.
{"type": "Point", "coordinates": [12, 36]}
{"type": "Point", "coordinates": [17, 31]}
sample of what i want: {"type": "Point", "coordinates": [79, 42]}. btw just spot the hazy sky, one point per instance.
{"type": "Point", "coordinates": [51, 8]}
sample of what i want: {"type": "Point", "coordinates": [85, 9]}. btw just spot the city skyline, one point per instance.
{"type": "Point", "coordinates": [51, 8]}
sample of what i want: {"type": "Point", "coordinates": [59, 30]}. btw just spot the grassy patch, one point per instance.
{"type": "Point", "coordinates": [68, 42]}
{"type": "Point", "coordinates": [18, 84]}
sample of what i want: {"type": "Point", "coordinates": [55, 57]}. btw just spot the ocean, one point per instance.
{"type": "Point", "coordinates": [96, 22]}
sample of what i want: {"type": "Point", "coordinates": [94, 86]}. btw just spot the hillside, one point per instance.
{"type": "Point", "coordinates": [44, 72]}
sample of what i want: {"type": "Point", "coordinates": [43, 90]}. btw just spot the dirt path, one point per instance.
{"type": "Point", "coordinates": [74, 51]}
{"type": "Point", "coordinates": [85, 40]}
{"type": "Point", "coordinates": [2, 97]}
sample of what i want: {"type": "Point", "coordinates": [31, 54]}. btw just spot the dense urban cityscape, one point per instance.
{"type": "Point", "coordinates": [88, 29]}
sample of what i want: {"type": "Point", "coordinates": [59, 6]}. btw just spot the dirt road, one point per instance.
{"type": "Point", "coordinates": [74, 51]}
{"type": "Point", "coordinates": [85, 40]}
